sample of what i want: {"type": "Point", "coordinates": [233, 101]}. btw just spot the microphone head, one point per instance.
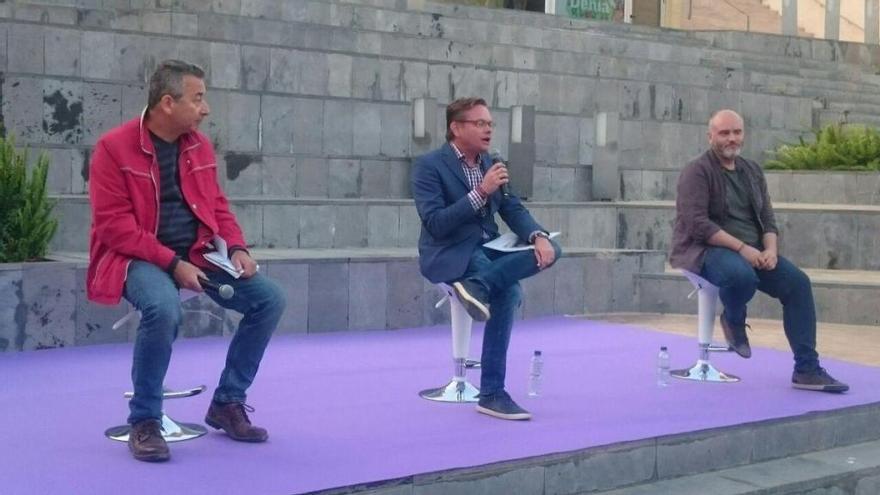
{"type": "Point", "coordinates": [496, 156]}
{"type": "Point", "coordinates": [226, 291]}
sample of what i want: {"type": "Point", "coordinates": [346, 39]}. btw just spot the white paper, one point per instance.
{"type": "Point", "coordinates": [220, 257]}
{"type": "Point", "coordinates": [510, 242]}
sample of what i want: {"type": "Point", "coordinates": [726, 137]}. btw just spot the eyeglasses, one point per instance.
{"type": "Point", "coordinates": [480, 123]}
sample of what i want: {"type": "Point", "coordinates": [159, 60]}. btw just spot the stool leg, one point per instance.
{"type": "Point", "coordinates": [459, 389]}
{"type": "Point", "coordinates": [461, 338]}
{"type": "Point", "coordinates": [707, 299]}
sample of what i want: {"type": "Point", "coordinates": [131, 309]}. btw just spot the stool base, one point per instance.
{"type": "Point", "coordinates": [172, 431]}
{"type": "Point", "coordinates": [703, 371]}
{"type": "Point", "coordinates": [454, 391]}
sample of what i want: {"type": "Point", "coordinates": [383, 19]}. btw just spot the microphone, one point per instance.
{"type": "Point", "coordinates": [225, 291]}
{"type": "Point", "coordinates": [496, 157]}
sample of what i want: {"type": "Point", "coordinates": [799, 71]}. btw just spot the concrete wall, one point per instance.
{"type": "Point", "coordinates": [341, 128]}
{"type": "Point", "coordinates": [46, 304]}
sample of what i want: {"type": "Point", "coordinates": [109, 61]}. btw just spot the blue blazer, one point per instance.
{"type": "Point", "coordinates": [451, 229]}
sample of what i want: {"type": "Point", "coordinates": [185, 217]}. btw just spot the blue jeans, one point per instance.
{"type": "Point", "coordinates": [737, 282]}
{"type": "Point", "coordinates": [500, 274]}
{"type": "Point", "coordinates": [153, 292]}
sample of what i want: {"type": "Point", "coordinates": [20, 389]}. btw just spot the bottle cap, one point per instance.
{"type": "Point", "coordinates": [662, 347]}
{"type": "Point", "coordinates": [537, 353]}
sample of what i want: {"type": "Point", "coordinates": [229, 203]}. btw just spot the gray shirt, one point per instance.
{"type": "Point", "coordinates": [740, 222]}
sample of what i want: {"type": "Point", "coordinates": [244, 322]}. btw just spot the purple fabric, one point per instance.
{"type": "Point", "coordinates": [343, 408]}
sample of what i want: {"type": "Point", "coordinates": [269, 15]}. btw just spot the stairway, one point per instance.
{"type": "Point", "coordinates": [739, 15]}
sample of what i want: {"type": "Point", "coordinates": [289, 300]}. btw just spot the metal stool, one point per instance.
{"type": "Point", "coordinates": [458, 389]}
{"type": "Point", "coordinates": [707, 297]}
{"type": "Point", "coordinates": [172, 431]}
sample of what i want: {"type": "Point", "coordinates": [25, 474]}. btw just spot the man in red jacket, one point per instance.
{"type": "Point", "coordinates": [156, 209]}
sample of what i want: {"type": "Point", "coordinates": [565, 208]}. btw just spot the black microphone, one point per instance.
{"type": "Point", "coordinates": [226, 291]}
{"type": "Point", "coordinates": [496, 157]}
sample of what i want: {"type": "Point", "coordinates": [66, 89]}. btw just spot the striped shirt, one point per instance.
{"type": "Point", "coordinates": [178, 227]}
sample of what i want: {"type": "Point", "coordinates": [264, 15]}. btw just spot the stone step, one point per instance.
{"type": "Point", "coordinates": [327, 290]}
{"type": "Point", "coordinates": [379, 130]}
{"type": "Point", "coordinates": [826, 117]}
{"type": "Point", "coordinates": [784, 186]}
{"type": "Point", "coordinates": [249, 24]}
{"type": "Point", "coordinates": [813, 51]}
{"type": "Point", "coordinates": [842, 296]}
{"type": "Point", "coordinates": [811, 235]}
{"type": "Point", "coordinates": [851, 470]}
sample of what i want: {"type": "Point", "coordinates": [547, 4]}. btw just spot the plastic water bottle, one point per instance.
{"type": "Point", "coordinates": [535, 370]}
{"type": "Point", "coordinates": [663, 367]}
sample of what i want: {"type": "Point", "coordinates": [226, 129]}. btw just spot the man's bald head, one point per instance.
{"type": "Point", "coordinates": [725, 117]}
{"type": "Point", "coordinates": [726, 135]}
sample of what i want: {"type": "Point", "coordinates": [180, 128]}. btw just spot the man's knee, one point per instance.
{"type": "Point", "coordinates": [740, 276]}
{"type": "Point", "coordinates": [272, 299]}
{"type": "Point", "coordinates": [799, 280]}
{"type": "Point", "coordinates": [164, 309]}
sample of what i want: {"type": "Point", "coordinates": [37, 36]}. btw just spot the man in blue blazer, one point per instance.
{"type": "Point", "coordinates": [457, 191]}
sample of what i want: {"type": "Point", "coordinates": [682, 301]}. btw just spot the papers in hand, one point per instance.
{"type": "Point", "coordinates": [510, 242]}
{"type": "Point", "coordinates": [220, 257]}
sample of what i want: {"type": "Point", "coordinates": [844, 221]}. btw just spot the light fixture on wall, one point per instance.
{"type": "Point", "coordinates": [419, 124]}
{"type": "Point", "coordinates": [516, 119]}
{"type": "Point", "coordinates": [601, 129]}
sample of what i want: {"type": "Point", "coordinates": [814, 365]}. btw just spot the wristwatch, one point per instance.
{"type": "Point", "coordinates": [540, 233]}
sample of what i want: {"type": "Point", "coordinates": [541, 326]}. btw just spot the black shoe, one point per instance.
{"type": "Point", "coordinates": [146, 443]}
{"type": "Point", "coordinates": [473, 297]}
{"type": "Point", "coordinates": [500, 405]}
{"type": "Point", "coordinates": [736, 337]}
{"type": "Point", "coordinates": [818, 380]}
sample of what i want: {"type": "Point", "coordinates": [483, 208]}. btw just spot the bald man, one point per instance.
{"type": "Point", "coordinates": [725, 231]}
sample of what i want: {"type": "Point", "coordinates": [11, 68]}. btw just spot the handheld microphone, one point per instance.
{"type": "Point", "coordinates": [225, 291]}
{"type": "Point", "coordinates": [496, 157]}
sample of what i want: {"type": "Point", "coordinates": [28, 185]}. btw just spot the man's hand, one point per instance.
{"type": "Point", "coordinates": [494, 178]}
{"type": "Point", "coordinates": [768, 259]}
{"type": "Point", "coordinates": [544, 252]}
{"type": "Point", "coordinates": [752, 255]}
{"type": "Point", "coordinates": [244, 264]}
{"type": "Point", "coordinates": [187, 276]}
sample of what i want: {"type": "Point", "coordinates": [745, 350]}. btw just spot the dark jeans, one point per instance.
{"type": "Point", "coordinates": [737, 282]}
{"type": "Point", "coordinates": [500, 274]}
{"type": "Point", "coordinates": [152, 291]}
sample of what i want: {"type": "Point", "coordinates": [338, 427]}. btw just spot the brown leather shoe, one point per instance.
{"type": "Point", "coordinates": [146, 443]}
{"type": "Point", "coordinates": [233, 419]}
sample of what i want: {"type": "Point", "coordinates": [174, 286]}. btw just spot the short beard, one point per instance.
{"type": "Point", "coordinates": [729, 153]}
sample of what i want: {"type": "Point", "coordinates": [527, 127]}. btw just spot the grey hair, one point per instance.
{"type": "Point", "coordinates": [167, 79]}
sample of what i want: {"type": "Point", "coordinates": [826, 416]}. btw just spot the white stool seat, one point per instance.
{"type": "Point", "coordinates": [458, 389]}
{"type": "Point", "coordinates": [707, 301]}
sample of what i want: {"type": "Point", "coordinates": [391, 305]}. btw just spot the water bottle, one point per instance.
{"type": "Point", "coordinates": [663, 367]}
{"type": "Point", "coordinates": [535, 370]}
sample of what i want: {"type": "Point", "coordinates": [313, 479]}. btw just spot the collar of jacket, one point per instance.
{"type": "Point", "coordinates": [187, 141]}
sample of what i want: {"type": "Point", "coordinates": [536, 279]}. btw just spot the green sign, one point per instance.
{"type": "Point", "coordinates": [606, 10]}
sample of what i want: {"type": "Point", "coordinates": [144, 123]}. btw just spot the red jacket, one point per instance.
{"type": "Point", "coordinates": [124, 194]}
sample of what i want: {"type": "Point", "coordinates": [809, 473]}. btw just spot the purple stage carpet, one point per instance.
{"type": "Point", "coordinates": [343, 408]}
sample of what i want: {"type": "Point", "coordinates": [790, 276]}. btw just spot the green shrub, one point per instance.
{"type": "Point", "coordinates": [836, 147]}
{"type": "Point", "coordinates": [26, 222]}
